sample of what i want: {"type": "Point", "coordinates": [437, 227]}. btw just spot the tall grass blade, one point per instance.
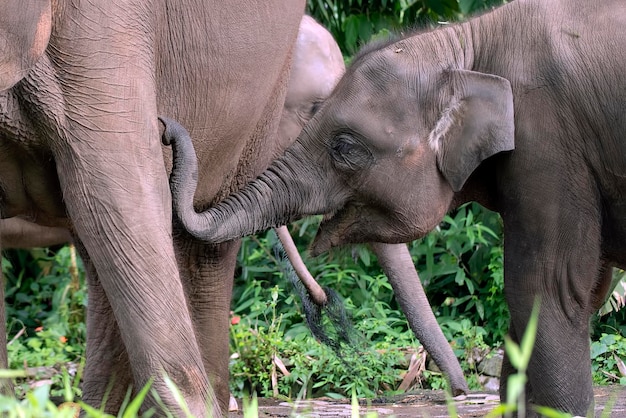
{"type": "Point", "coordinates": [178, 397]}
{"type": "Point", "coordinates": [133, 407]}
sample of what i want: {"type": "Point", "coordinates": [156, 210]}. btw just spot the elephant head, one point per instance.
{"type": "Point", "coordinates": [25, 28]}
{"type": "Point", "coordinates": [381, 159]}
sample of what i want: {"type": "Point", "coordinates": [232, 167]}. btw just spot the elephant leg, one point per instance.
{"type": "Point", "coordinates": [107, 370]}
{"type": "Point", "coordinates": [397, 264]}
{"type": "Point", "coordinates": [605, 281]}
{"type": "Point", "coordinates": [101, 117]}
{"type": "Point", "coordinates": [553, 254]}
{"type": "Point", "coordinates": [121, 212]}
{"type": "Point", "coordinates": [207, 273]}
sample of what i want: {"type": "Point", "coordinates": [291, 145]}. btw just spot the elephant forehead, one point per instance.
{"type": "Point", "coordinates": [376, 123]}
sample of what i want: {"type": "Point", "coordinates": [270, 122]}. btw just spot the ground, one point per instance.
{"type": "Point", "coordinates": [425, 403]}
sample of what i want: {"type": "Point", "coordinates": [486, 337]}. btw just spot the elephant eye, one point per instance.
{"type": "Point", "coordinates": [348, 153]}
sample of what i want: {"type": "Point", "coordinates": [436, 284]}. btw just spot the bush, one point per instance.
{"type": "Point", "coordinates": [607, 355]}
{"type": "Point", "coordinates": [268, 362]}
{"type": "Point", "coordinates": [354, 22]}
{"type": "Point", "coordinates": [461, 266]}
{"type": "Point", "coordinates": [45, 298]}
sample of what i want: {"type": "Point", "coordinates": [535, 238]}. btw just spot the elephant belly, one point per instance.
{"type": "Point", "coordinates": [226, 86]}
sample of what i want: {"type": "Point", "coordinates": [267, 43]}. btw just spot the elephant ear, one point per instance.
{"type": "Point", "coordinates": [25, 27]}
{"type": "Point", "coordinates": [476, 124]}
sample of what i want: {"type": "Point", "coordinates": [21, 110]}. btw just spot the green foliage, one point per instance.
{"type": "Point", "coordinates": [607, 355]}
{"type": "Point", "coordinates": [36, 404]}
{"type": "Point", "coordinates": [46, 298]}
{"type": "Point", "coordinates": [46, 289]}
{"type": "Point", "coordinates": [261, 355]}
{"type": "Point", "coordinates": [612, 317]}
{"type": "Point", "coordinates": [261, 335]}
{"type": "Point", "coordinates": [355, 22]}
{"type": "Point", "coordinates": [461, 266]}
{"type": "Point", "coordinates": [254, 349]}
{"type": "Point", "coordinates": [269, 314]}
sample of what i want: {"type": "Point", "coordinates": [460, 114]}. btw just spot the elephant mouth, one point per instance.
{"type": "Point", "coordinates": [327, 236]}
{"type": "Point", "coordinates": [349, 225]}
{"type": "Point", "coordinates": [357, 223]}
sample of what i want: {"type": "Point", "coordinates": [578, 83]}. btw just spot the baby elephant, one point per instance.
{"type": "Point", "coordinates": [318, 64]}
{"type": "Point", "coordinates": [317, 67]}
{"type": "Point", "coordinates": [522, 110]}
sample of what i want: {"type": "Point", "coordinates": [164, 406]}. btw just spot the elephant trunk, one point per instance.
{"type": "Point", "coordinates": [397, 264]}
{"type": "Point", "coordinates": [274, 198]}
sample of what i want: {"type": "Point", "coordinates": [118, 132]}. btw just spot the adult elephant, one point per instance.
{"type": "Point", "coordinates": [521, 109]}
{"type": "Point", "coordinates": [81, 86]}
{"type": "Point", "coordinates": [316, 67]}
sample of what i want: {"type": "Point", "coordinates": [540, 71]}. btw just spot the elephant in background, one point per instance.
{"type": "Point", "coordinates": [81, 86]}
{"type": "Point", "coordinates": [521, 110]}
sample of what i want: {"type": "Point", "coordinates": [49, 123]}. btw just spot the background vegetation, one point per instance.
{"type": "Point", "coordinates": [460, 264]}
{"type": "Point", "coordinates": [354, 22]}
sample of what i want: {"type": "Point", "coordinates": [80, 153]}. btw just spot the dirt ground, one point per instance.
{"type": "Point", "coordinates": [426, 403]}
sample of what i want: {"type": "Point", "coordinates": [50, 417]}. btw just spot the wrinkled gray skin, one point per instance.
{"type": "Point", "coordinates": [81, 86]}
{"type": "Point", "coordinates": [317, 66]}
{"type": "Point", "coordinates": [522, 110]}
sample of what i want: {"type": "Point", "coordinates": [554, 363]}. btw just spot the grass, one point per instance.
{"type": "Point", "coordinates": [37, 402]}
{"type": "Point", "coordinates": [273, 353]}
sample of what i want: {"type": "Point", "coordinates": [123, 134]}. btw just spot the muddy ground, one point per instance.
{"type": "Point", "coordinates": [425, 403]}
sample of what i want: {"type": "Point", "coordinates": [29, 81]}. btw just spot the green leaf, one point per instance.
{"type": "Point", "coordinates": [501, 410]}
{"type": "Point", "coordinates": [459, 278]}
{"type": "Point", "coordinates": [466, 6]}
{"type": "Point", "coordinates": [251, 407]}
{"type": "Point", "coordinates": [513, 352]}
{"type": "Point", "coordinates": [178, 396]}
{"type": "Point", "coordinates": [530, 334]}
{"type": "Point", "coordinates": [364, 254]}
{"type": "Point", "coordinates": [354, 405]}
{"type": "Point", "coordinates": [608, 339]}
{"type": "Point", "coordinates": [515, 387]}
{"type": "Point", "coordinates": [133, 407]}
{"type": "Point", "coordinates": [597, 349]}
{"type": "Point", "coordinates": [480, 308]}
{"type": "Point", "coordinates": [34, 343]}
{"type": "Point", "coordinates": [12, 374]}
{"type": "Point", "coordinates": [351, 31]}
{"type": "Point", "coordinates": [544, 411]}
{"type": "Point", "coordinates": [93, 412]}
